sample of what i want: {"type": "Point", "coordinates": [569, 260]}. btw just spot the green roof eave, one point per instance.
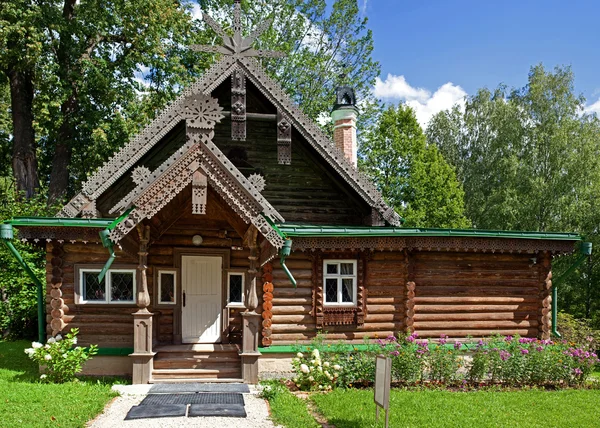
{"type": "Point", "coordinates": [300, 230]}
{"type": "Point", "coordinates": [61, 222]}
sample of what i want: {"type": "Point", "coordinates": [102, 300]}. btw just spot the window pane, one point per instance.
{"type": "Point", "coordinates": [331, 290]}
{"type": "Point", "coordinates": [167, 287]}
{"type": "Point", "coordinates": [92, 289]}
{"type": "Point", "coordinates": [347, 268]}
{"type": "Point", "coordinates": [332, 269]}
{"type": "Point", "coordinates": [347, 290]}
{"type": "Point", "coordinates": [121, 286]}
{"type": "Point", "coordinates": [235, 289]}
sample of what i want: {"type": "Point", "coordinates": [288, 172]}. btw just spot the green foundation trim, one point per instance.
{"type": "Point", "coordinates": [114, 352]}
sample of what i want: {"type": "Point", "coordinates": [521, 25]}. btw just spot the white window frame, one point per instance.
{"type": "Point", "coordinates": [159, 289]}
{"type": "Point", "coordinates": [107, 284]}
{"type": "Point", "coordinates": [339, 278]}
{"type": "Point", "coordinates": [241, 304]}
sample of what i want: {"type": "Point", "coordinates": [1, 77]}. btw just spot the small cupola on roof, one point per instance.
{"type": "Point", "coordinates": [344, 116]}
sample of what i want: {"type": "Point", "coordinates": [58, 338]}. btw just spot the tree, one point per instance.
{"type": "Point", "coordinates": [20, 45]}
{"type": "Point", "coordinates": [529, 160]}
{"type": "Point", "coordinates": [413, 176]}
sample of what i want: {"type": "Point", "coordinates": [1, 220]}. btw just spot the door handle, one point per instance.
{"type": "Point", "coordinates": [184, 299]}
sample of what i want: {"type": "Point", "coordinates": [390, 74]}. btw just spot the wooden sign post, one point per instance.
{"type": "Point", "coordinates": [383, 379]}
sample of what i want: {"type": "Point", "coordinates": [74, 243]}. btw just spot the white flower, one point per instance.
{"type": "Point", "coordinates": [58, 337]}
{"type": "Point", "coordinates": [311, 369]}
{"type": "Point", "coordinates": [320, 369]}
{"type": "Point", "coordinates": [299, 355]}
{"type": "Point", "coordinates": [315, 353]}
{"type": "Point", "coordinates": [51, 340]}
{"type": "Point", "coordinates": [65, 355]}
{"type": "Point", "coordinates": [320, 386]}
{"type": "Point", "coordinates": [326, 363]}
{"type": "Point", "coordinates": [74, 341]}
{"type": "Point", "coordinates": [30, 351]}
{"type": "Point", "coordinates": [295, 380]}
{"type": "Point", "coordinates": [47, 357]}
{"type": "Point", "coordinates": [336, 367]}
{"type": "Point", "coordinates": [327, 373]}
{"type": "Point", "coordinates": [43, 376]}
{"type": "Point", "coordinates": [304, 368]}
{"type": "Point", "coordinates": [296, 360]}
{"type": "Point", "coordinates": [36, 345]}
{"type": "Point", "coordinates": [310, 378]}
{"type": "Point", "coordinates": [314, 362]}
{"type": "Point", "coordinates": [336, 374]}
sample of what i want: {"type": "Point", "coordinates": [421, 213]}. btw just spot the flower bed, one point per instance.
{"type": "Point", "coordinates": [512, 361]}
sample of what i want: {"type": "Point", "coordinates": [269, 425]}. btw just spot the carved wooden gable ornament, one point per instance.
{"type": "Point", "coordinates": [200, 157]}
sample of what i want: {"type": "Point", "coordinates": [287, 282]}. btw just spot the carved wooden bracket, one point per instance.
{"type": "Point", "coordinates": [199, 183]}
{"type": "Point", "coordinates": [238, 105]}
{"type": "Point", "coordinates": [284, 139]}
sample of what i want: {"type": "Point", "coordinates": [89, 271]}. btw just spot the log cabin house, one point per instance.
{"type": "Point", "coordinates": [231, 227]}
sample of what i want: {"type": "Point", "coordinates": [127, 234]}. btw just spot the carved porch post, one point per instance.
{"type": "Point", "coordinates": [142, 319]}
{"type": "Point", "coordinates": [251, 319]}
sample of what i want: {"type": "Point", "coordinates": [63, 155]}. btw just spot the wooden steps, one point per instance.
{"type": "Point", "coordinates": [197, 363]}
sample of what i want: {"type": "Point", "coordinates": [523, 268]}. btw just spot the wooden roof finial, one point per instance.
{"type": "Point", "coordinates": [237, 45]}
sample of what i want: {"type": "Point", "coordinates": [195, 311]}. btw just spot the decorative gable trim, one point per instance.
{"type": "Point", "coordinates": [172, 115]}
{"type": "Point", "coordinates": [202, 155]}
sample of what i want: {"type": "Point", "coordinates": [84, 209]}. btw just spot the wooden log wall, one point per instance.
{"type": "Point", "coordinates": [107, 326]}
{"type": "Point", "coordinates": [475, 294]}
{"type": "Point", "coordinates": [293, 317]}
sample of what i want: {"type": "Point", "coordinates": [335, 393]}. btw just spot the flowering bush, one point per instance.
{"type": "Point", "coordinates": [313, 373]}
{"type": "Point", "coordinates": [62, 359]}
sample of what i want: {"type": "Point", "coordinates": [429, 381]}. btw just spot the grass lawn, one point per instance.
{"type": "Point", "coordinates": [287, 409]}
{"type": "Point", "coordinates": [26, 402]}
{"type": "Point", "coordinates": [568, 408]}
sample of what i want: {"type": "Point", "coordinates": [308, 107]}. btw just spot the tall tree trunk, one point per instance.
{"type": "Point", "coordinates": [24, 161]}
{"type": "Point", "coordinates": [59, 176]}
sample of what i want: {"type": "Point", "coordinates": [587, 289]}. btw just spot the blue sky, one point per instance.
{"type": "Point", "coordinates": [433, 52]}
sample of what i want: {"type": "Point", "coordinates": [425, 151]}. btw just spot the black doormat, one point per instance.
{"type": "Point", "coordinates": [202, 398]}
{"type": "Point", "coordinates": [164, 411]}
{"type": "Point", "coordinates": [174, 388]}
{"type": "Point", "coordinates": [229, 410]}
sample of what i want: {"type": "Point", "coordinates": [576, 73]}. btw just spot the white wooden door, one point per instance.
{"type": "Point", "coordinates": [201, 312]}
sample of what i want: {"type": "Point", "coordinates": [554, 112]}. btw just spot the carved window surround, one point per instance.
{"type": "Point", "coordinates": [338, 315]}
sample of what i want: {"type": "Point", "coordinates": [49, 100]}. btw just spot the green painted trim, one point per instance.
{"type": "Point", "coordinates": [292, 349]}
{"type": "Point", "coordinates": [114, 351]}
{"type": "Point", "coordinates": [273, 225]}
{"type": "Point", "coordinates": [299, 230]}
{"type": "Point", "coordinates": [61, 222]}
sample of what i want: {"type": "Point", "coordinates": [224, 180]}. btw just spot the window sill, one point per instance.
{"type": "Point", "coordinates": [112, 304]}
{"type": "Point", "coordinates": [236, 306]}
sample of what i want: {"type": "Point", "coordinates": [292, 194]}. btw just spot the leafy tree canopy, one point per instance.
{"type": "Point", "coordinates": [412, 175]}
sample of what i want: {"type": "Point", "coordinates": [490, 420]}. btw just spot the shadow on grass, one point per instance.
{"type": "Point", "coordinates": [15, 366]}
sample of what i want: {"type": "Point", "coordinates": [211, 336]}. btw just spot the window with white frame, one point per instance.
{"type": "Point", "coordinates": [167, 287]}
{"type": "Point", "coordinates": [117, 286]}
{"type": "Point", "coordinates": [235, 288]}
{"type": "Point", "coordinates": [339, 282]}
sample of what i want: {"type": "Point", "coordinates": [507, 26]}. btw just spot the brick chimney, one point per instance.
{"type": "Point", "coordinates": [344, 115]}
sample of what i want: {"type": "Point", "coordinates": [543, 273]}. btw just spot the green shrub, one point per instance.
{"type": "Point", "coordinates": [62, 359]}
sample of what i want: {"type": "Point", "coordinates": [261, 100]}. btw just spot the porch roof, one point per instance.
{"type": "Point", "coordinates": [305, 230]}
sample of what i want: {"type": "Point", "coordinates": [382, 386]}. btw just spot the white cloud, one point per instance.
{"type": "Point", "coordinates": [425, 103]}
{"type": "Point", "coordinates": [593, 108]}
{"type": "Point", "coordinates": [363, 7]}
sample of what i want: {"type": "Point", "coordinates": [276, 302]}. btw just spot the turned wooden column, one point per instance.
{"type": "Point", "coordinates": [250, 318]}
{"type": "Point", "coordinates": [409, 296]}
{"type": "Point", "coordinates": [142, 319]}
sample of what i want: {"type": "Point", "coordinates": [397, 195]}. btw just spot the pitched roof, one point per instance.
{"type": "Point", "coordinates": [186, 106]}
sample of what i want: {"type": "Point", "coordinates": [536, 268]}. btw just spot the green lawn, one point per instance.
{"type": "Point", "coordinates": [568, 408]}
{"type": "Point", "coordinates": [288, 410]}
{"type": "Point", "coordinates": [26, 402]}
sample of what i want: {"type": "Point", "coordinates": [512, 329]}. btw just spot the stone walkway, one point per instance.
{"type": "Point", "coordinates": [257, 414]}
